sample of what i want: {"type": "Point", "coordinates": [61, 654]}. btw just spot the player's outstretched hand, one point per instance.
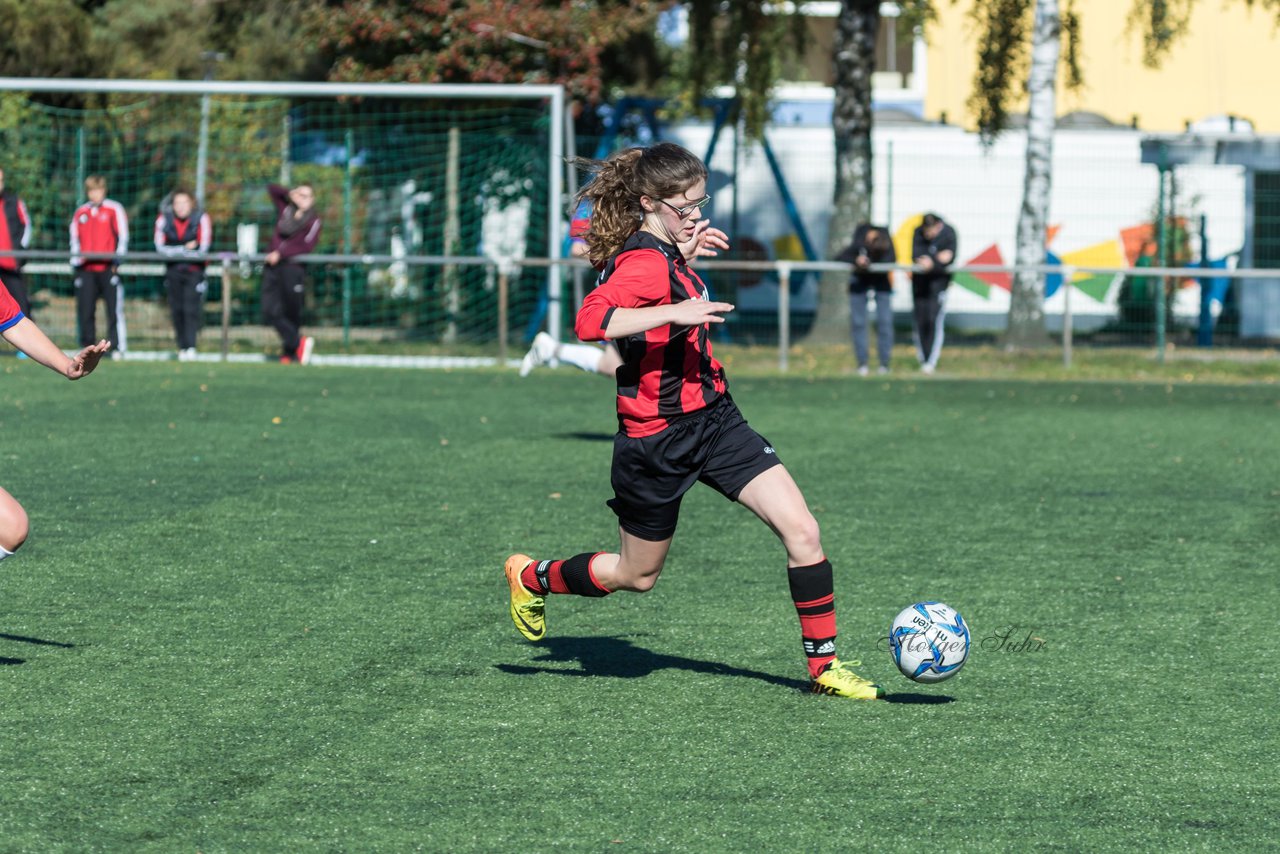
{"type": "Point", "coordinates": [705, 242]}
{"type": "Point", "coordinates": [695, 312]}
{"type": "Point", "coordinates": [86, 360]}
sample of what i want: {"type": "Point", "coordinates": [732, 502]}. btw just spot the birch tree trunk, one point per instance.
{"type": "Point", "coordinates": [855, 58]}
{"type": "Point", "coordinates": [1026, 307]}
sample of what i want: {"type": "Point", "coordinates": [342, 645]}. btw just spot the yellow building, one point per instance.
{"type": "Point", "coordinates": [1219, 67]}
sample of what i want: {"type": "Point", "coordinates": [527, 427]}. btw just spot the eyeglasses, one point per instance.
{"type": "Point", "coordinates": [687, 210]}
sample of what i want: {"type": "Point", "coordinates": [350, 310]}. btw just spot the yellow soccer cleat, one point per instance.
{"type": "Point", "coordinates": [839, 681]}
{"type": "Point", "coordinates": [527, 609]}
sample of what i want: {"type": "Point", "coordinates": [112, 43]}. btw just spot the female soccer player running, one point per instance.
{"type": "Point", "coordinates": [678, 424]}
{"type": "Point", "coordinates": [22, 332]}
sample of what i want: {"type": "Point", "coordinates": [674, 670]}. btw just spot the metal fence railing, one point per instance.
{"type": "Point", "coordinates": [470, 306]}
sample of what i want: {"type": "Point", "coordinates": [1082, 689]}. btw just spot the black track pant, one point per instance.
{"type": "Point", "coordinates": [929, 312]}
{"type": "Point", "coordinates": [283, 289]}
{"type": "Point", "coordinates": [186, 287]}
{"type": "Point", "coordinates": [92, 285]}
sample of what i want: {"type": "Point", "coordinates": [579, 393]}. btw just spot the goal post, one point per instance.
{"type": "Point", "coordinates": [406, 176]}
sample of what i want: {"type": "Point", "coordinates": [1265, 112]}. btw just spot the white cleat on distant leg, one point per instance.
{"type": "Point", "coordinates": [542, 352]}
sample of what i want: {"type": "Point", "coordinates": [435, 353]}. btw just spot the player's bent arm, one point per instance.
{"type": "Point", "coordinates": [30, 339]}
{"type": "Point", "coordinates": [624, 322]}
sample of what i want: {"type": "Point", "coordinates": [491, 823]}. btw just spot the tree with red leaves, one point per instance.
{"type": "Point", "coordinates": [478, 41]}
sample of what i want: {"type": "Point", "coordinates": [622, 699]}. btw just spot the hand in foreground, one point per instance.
{"type": "Point", "coordinates": [86, 360]}
{"type": "Point", "coordinates": [695, 312]}
{"type": "Point", "coordinates": [704, 243]}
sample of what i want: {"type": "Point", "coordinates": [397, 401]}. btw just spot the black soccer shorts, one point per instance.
{"type": "Point", "coordinates": [652, 473]}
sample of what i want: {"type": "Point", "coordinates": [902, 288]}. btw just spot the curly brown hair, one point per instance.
{"type": "Point", "coordinates": [658, 171]}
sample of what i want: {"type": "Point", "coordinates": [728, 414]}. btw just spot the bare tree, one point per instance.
{"type": "Point", "coordinates": [851, 121]}
{"type": "Point", "coordinates": [1026, 307]}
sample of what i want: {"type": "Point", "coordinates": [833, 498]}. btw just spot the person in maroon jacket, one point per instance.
{"type": "Point", "coordinates": [99, 226]}
{"type": "Point", "coordinates": [284, 280]}
{"type": "Point", "coordinates": [677, 423]}
{"type": "Point", "coordinates": [15, 233]}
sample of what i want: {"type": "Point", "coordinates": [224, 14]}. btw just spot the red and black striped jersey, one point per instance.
{"type": "Point", "coordinates": [10, 314]}
{"type": "Point", "coordinates": [667, 372]}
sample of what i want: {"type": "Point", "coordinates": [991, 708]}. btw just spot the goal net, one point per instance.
{"type": "Point", "coordinates": [429, 195]}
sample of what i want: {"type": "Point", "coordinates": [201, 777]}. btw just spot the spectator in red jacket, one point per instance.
{"type": "Point", "coordinates": [99, 229]}
{"type": "Point", "coordinates": [15, 233]}
{"type": "Point", "coordinates": [284, 280]}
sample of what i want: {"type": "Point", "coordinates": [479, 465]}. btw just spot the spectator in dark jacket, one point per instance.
{"type": "Point", "coordinates": [933, 250]}
{"type": "Point", "coordinates": [284, 280]}
{"type": "Point", "coordinates": [184, 232]}
{"type": "Point", "coordinates": [871, 245]}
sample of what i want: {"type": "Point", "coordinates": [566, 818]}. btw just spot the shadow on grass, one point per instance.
{"type": "Point", "coordinates": [5, 661]}
{"type": "Point", "coordinates": [36, 641]}
{"type": "Point", "coordinates": [586, 437]}
{"type": "Point", "coordinates": [919, 699]}
{"type": "Point", "coordinates": [619, 658]}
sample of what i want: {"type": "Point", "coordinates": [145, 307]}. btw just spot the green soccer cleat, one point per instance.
{"type": "Point", "coordinates": [839, 681]}
{"type": "Point", "coordinates": [527, 609]}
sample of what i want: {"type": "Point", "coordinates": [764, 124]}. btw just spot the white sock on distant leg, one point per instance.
{"type": "Point", "coordinates": [581, 356]}
{"type": "Point", "coordinates": [4, 553]}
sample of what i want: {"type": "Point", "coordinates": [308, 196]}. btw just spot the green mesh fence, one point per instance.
{"type": "Point", "coordinates": [411, 176]}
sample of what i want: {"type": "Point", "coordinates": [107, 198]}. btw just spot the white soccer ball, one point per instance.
{"type": "Point", "coordinates": [929, 641]}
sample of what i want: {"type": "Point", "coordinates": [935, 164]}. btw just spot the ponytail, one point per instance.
{"type": "Point", "coordinates": [614, 192]}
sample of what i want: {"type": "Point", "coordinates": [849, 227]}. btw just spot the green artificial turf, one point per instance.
{"type": "Point", "coordinates": [261, 609]}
